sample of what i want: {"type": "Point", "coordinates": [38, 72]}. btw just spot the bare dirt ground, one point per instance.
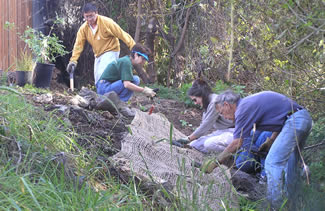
{"type": "Point", "coordinates": [104, 130]}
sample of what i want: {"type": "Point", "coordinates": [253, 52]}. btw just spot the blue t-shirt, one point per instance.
{"type": "Point", "coordinates": [268, 110]}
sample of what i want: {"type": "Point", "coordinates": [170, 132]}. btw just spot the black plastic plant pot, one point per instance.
{"type": "Point", "coordinates": [43, 75]}
{"type": "Point", "coordinates": [22, 77]}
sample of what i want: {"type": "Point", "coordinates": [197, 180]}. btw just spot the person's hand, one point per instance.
{"type": "Point", "coordinates": [176, 143]}
{"type": "Point", "coordinates": [224, 157]}
{"type": "Point", "coordinates": [184, 140]}
{"type": "Point", "coordinates": [209, 166]}
{"type": "Point", "coordinates": [71, 66]}
{"type": "Point", "coordinates": [265, 147]}
{"type": "Point", "coordinates": [149, 92]}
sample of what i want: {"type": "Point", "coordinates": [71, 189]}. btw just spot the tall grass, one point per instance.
{"type": "Point", "coordinates": [43, 168]}
{"type": "Point", "coordinates": [56, 192]}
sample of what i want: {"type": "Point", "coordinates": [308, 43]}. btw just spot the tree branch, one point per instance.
{"type": "Point", "coordinates": [181, 40]}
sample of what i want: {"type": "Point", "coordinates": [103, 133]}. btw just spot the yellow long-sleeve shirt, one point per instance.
{"type": "Point", "coordinates": [105, 39]}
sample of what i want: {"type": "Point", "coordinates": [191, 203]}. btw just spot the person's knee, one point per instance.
{"type": "Point", "coordinates": [210, 146]}
{"type": "Point", "coordinates": [99, 89]}
{"type": "Point", "coordinates": [136, 80]}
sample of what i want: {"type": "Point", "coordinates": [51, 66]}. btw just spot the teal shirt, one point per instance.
{"type": "Point", "coordinates": [120, 69]}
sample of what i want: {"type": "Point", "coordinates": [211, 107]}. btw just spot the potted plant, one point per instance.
{"type": "Point", "coordinates": [45, 48]}
{"type": "Point", "coordinates": [24, 68]}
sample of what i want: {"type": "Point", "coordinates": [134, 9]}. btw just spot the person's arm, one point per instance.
{"type": "Point", "coordinates": [146, 90]}
{"type": "Point", "coordinates": [78, 46]}
{"type": "Point", "coordinates": [208, 119]}
{"type": "Point", "coordinates": [131, 86]}
{"type": "Point", "coordinates": [192, 138]}
{"type": "Point", "coordinates": [223, 157]}
{"type": "Point", "coordinates": [121, 34]}
{"type": "Point", "coordinates": [265, 147]}
{"type": "Point", "coordinates": [230, 149]}
{"type": "Point", "coordinates": [274, 136]}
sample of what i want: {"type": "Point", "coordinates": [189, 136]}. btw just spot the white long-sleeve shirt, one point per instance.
{"type": "Point", "coordinates": [212, 119]}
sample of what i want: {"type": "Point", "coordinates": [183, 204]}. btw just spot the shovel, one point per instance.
{"type": "Point", "coordinates": [71, 79]}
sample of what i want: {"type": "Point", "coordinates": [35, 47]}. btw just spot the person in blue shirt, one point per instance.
{"type": "Point", "coordinates": [290, 125]}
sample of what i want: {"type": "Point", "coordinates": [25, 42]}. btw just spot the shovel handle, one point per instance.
{"type": "Point", "coordinates": [71, 82]}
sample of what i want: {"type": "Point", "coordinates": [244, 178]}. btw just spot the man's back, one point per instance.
{"type": "Point", "coordinates": [268, 110]}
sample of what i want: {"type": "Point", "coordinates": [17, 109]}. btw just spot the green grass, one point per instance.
{"type": "Point", "coordinates": [35, 176]}
{"type": "Point", "coordinates": [56, 192]}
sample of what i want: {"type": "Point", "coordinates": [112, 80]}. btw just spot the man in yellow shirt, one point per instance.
{"type": "Point", "coordinates": [103, 34]}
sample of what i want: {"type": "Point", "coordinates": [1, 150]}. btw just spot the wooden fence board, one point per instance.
{"type": "Point", "coordinates": [1, 36]}
{"type": "Point", "coordinates": [12, 51]}
{"type": "Point", "coordinates": [20, 13]}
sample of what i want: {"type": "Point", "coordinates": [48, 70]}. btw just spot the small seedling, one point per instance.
{"type": "Point", "coordinates": [185, 123]}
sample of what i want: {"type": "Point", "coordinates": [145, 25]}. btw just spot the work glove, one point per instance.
{"type": "Point", "coordinates": [149, 92]}
{"type": "Point", "coordinates": [71, 66]}
{"type": "Point", "coordinates": [209, 166]}
{"type": "Point", "coordinates": [265, 147]}
{"type": "Point", "coordinates": [224, 157]}
{"type": "Point", "coordinates": [176, 143]}
{"type": "Point", "coordinates": [184, 140]}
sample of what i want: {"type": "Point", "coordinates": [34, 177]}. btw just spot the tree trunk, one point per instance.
{"type": "Point", "coordinates": [178, 53]}
{"type": "Point", "coordinates": [142, 74]}
{"type": "Point", "coordinates": [138, 27]}
{"type": "Point", "coordinates": [150, 43]}
{"type": "Point", "coordinates": [172, 44]}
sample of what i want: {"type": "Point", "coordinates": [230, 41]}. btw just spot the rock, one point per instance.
{"type": "Point", "coordinates": [248, 184]}
{"type": "Point", "coordinates": [90, 96]}
{"type": "Point", "coordinates": [79, 101]}
{"type": "Point", "coordinates": [44, 98]}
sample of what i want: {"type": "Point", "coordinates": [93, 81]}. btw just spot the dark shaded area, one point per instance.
{"type": "Point", "coordinates": [71, 12]}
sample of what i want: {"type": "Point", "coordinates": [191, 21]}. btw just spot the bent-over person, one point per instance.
{"type": "Point", "coordinates": [290, 124]}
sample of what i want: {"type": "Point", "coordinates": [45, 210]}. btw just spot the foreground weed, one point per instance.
{"type": "Point", "coordinates": [43, 168]}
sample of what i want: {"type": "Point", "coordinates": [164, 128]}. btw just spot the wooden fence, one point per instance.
{"type": "Point", "coordinates": [20, 13]}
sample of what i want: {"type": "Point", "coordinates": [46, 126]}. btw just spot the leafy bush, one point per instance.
{"type": "Point", "coordinates": [184, 88]}
{"type": "Point", "coordinates": [315, 156]}
{"type": "Point", "coordinates": [45, 48]}
{"type": "Point", "coordinates": [167, 93]}
{"type": "Point", "coordinates": [221, 86]}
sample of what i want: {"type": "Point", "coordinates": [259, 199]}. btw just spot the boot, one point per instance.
{"type": "Point", "coordinates": [111, 102]}
{"type": "Point", "coordinates": [108, 102]}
